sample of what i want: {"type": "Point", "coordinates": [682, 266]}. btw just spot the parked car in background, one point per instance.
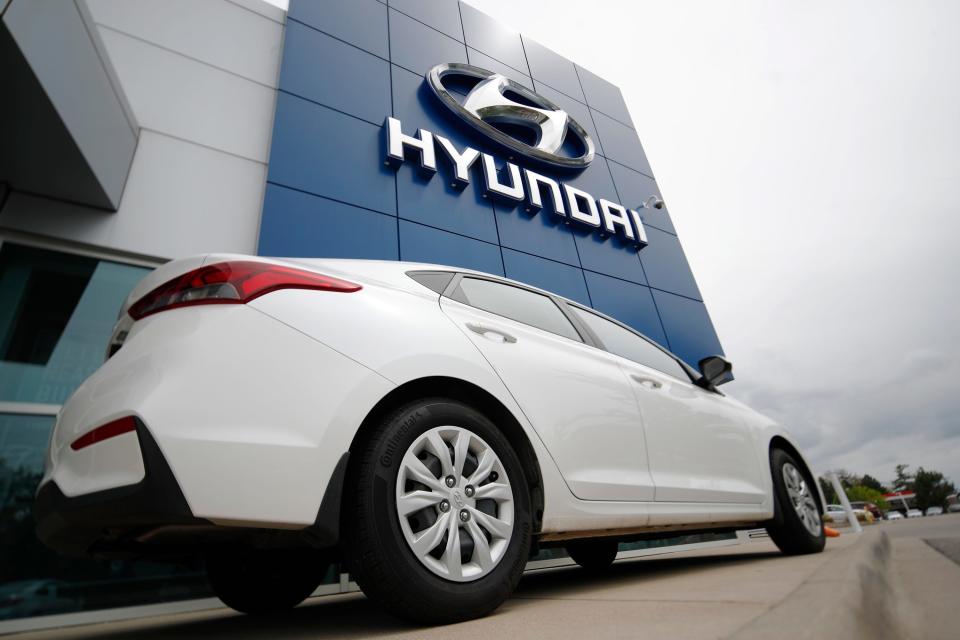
{"type": "Point", "coordinates": [868, 506]}
{"type": "Point", "coordinates": [838, 514]}
{"type": "Point", "coordinates": [934, 511]}
{"type": "Point", "coordinates": [953, 504]}
{"type": "Point", "coordinates": [914, 513]}
{"type": "Point", "coordinates": [894, 515]}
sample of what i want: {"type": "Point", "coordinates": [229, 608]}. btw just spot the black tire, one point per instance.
{"type": "Point", "coordinates": [594, 555]}
{"type": "Point", "coordinates": [381, 560]}
{"type": "Point", "coordinates": [261, 582]}
{"type": "Point", "coordinates": [787, 530]}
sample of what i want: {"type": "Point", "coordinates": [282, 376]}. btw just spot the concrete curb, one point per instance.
{"type": "Point", "coordinates": [851, 595]}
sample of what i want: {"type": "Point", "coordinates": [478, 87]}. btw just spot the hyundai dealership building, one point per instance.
{"type": "Point", "coordinates": [138, 131]}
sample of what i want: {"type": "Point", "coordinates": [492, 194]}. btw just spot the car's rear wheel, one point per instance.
{"type": "Point", "coordinates": [595, 554]}
{"type": "Point", "coordinates": [440, 509]}
{"type": "Point", "coordinates": [257, 581]}
{"type": "Point", "coordinates": [797, 527]}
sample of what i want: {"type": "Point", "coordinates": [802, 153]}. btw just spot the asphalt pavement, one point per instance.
{"type": "Point", "coordinates": [897, 585]}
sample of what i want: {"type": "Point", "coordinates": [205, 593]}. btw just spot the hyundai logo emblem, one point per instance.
{"type": "Point", "coordinates": [488, 103]}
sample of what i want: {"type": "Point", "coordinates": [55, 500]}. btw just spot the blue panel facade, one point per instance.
{"type": "Point", "coordinates": [348, 64]}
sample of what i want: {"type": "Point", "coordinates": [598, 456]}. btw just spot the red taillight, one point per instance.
{"type": "Point", "coordinates": [103, 432]}
{"type": "Point", "coordinates": [232, 283]}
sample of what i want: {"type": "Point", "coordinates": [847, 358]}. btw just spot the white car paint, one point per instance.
{"type": "Point", "coordinates": [253, 404]}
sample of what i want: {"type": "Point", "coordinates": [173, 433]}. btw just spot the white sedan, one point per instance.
{"type": "Point", "coordinates": [430, 427]}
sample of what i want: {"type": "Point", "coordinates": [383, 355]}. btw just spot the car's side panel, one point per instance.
{"type": "Point", "coordinates": [701, 447]}
{"type": "Point", "coordinates": [405, 337]}
{"type": "Point", "coordinates": [577, 399]}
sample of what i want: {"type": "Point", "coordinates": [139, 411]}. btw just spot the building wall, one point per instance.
{"type": "Point", "coordinates": [200, 78]}
{"type": "Point", "coordinates": [347, 64]}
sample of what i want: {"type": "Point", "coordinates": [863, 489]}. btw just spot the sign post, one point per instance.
{"type": "Point", "coordinates": [851, 516]}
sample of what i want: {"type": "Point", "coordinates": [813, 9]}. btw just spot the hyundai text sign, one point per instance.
{"type": "Point", "coordinates": [489, 102]}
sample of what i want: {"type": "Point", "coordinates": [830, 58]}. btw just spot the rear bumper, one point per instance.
{"type": "Point", "coordinates": [107, 520]}
{"type": "Point", "coordinates": [113, 522]}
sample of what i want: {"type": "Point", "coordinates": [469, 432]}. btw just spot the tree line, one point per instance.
{"type": "Point", "coordinates": [930, 487]}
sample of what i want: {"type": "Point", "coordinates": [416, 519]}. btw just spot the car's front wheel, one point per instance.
{"type": "Point", "coordinates": [441, 522]}
{"type": "Point", "coordinates": [797, 527]}
{"type": "Point", "coordinates": [257, 581]}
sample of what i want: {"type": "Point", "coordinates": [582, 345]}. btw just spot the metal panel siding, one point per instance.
{"type": "Point", "coordinates": [482, 60]}
{"type": "Point", "coordinates": [199, 81]}
{"type": "Point", "coordinates": [325, 227]}
{"type": "Point", "coordinates": [634, 189]}
{"type": "Point", "coordinates": [332, 195]}
{"type": "Point", "coordinates": [328, 153]}
{"type": "Point", "coordinates": [180, 199]}
{"type": "Point", "coordinates": [56, 42]}
{"type": "Point", "coordinates": [628, 302]}
{"type": "Point", "coordinates": [442, 16]}
{"type": "Point", "coordinates": [425, 244]}
{"type": "Point", "coordinates": [336, 74]}
{"type": "Point", "coordinates": [218, 32]}
{"type": "Point", "coordinates": [603, 96]}
{"type": "Point", "coordinates": [493, 39]}
{"type": "Point", "coordinates": [362, 23]}
{"type": "Point", "coordinates": [562, 279]}
{"type": "Point", "coordinates": [552, 69]}
{"type": "Point", "coordinates": [689, 328]}
{"type": "Point", "coordinates": [417, 47]}
{"type": "Point", "coordinates": [224, 111]}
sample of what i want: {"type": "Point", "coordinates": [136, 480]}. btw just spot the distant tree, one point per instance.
{"type": "Point", "coordinates": [931, 488]}
{"type": "Point", "coordinates": [829, 494]}
{"type": "Point", "coordinates": [847, 479]}
{"type": "Point", "coordinates": [869, 481]}
{"type": "Point", "coordinates": [863, 493]}
{"type": "Point", "coordinates": [904, 480]}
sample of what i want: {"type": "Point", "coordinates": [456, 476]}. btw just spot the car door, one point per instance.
{"type": "Point", "coordinates": [699, 445]}
{"type": "Point", "coordinates": [576, 397]}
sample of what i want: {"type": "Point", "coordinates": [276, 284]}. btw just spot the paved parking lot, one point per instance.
{"type": "Point", "coordinates": [704, 594]}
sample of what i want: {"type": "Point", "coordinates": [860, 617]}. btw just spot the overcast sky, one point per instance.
{"type": "Point", "coordinates": [809, 154]}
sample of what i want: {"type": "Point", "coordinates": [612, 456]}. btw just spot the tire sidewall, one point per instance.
{"type": "Point", "coordinates": [789, 523]}
{"type": "Point", "coordinates": [400, 431]}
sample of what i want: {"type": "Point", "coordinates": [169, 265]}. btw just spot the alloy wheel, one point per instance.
{"type": "Point", "coordinates": [802, 499]}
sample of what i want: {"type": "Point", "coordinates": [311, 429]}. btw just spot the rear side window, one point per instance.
{"type": "Point", "coordinates": [518, 304]}
{"type": "Point", "coordinates": [629, 345]}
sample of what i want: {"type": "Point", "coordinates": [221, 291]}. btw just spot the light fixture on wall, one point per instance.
{"type": "Point", "coordinates": [653, 202]}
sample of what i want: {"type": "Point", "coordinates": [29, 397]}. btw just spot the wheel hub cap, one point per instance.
{"type": "Point", "coordinates": [464, 539]}
{"type": "Point", "coordinates": [802, 499]}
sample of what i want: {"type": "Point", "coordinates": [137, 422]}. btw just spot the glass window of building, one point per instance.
{"type": "Point", "coordinates": [56, 313]}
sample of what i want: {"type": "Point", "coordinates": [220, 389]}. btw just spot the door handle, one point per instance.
{"type": "Point", "coordinates": [486, 332]}
{"type": "Point", "coordinates": [647, 382]}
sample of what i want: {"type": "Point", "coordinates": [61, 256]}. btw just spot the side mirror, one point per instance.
{"type": "Point", "coordinates": [715, 370]}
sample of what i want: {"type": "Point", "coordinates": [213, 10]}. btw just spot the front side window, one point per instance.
{"type": "Point", "coordinates": [528, 307]}
{"type": "Point", "coordinates": [629, 345]}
